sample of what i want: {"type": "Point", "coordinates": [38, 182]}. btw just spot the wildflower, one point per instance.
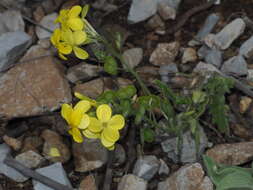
{"type": "Point", "coordinates": [76, 118]}
{"type": "Point", "coordinates": [83, 97]}
{"type": "Point", "coordinates": [106, 125]}
{"type": "Point", "coordinates": [67, 41]}
{"type": "Point", "coordinates": [70, 19]}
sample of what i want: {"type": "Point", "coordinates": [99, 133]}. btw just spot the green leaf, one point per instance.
{"type": "Point", "coordinates": [149, 102]}
{"type": "Point", "coordinates": [126, 92]}
{"type": "Point", "coordinates": [139, 114]}
{"type": "Point", "coordinates": [198, 96]}
{"type": "Point", "coordinates": [85, 11]}
{"type": "Point", "coordinates": [110, 65]}
{"type": "Point", "coordinates": [148, 135]}
{"type": "Point", "coordinates": [126, 107]}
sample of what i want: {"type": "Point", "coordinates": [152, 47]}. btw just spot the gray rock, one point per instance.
{"type": "Point", "coordinates": [11, 21]}
{"type": "Point", "coordinates": [6, 170]}
{"type": "Point", "coordinates": [55, 172]}
{"type": "Point", "coordinates": [208, 26]}
{"type": "Point", "coordinates": [246, 48]}
{"type": "Point", "coordinates": [83, 71]}
{"type": "Point", "coordinates": [168, 69]}
{"type": "Point", "coordinates": [203, 67]}
{"type": "Point", "coordinates": [30, 159]}
{"type": "Point", "coordinates": [141, 10]}
{"type": "Point", "coordinates": [172, 3]}
{"type": "Point", "coordinates": [12, 46]}
{"type": "Point", "coordinates": [133, 56]}
{"type": "Point", "coordinates": [119, 155]}
{"type": "Point", "coordinates": [203, 51]}
{"type": "Point", "coordinates": [235, 66]}
{"type": "Point", "coordinates": [214, 57]}
{"type": "Point", "coordinates": [146, 167]}
{"type": "Point", "coordinates": [132, 182]}
{"type": "Point", "coordinates": [229, 33]}
{"type": "Point", "coordinates": [250, 75]}
{"type": "Point", "coordinates": [164, 169]}
{"type": "Point", "coordinates": [155, 22]}
{"type": "Point", "coordinates": [166, 12]}
{"type": "Point", "coordinates": [188, 151]}
{"type": "Point", "coordinates": [48, 22]}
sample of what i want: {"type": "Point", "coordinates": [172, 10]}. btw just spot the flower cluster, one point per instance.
{"type": "Point", "coordinates": [71, 35]}
{"type": "Point", "coordinates": [103, 125]}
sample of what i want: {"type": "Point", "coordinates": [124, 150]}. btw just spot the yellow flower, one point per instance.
{"type": "Point", "coordinates": [67, 41]}
{"type": "Point", "coordinates": [83, 97]}
{"type": "Point", "coordinates": [70, 18]}
{"type": "Point", "coordinates": [76, 118]}
{"type": "Point", "coordinates": [106, 125]}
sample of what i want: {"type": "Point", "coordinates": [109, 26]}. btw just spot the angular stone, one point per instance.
{"type": "Point", "coordinates": [55, 172]}
{"type": "Point", "coordinates": [30, 159]}
{"type": "Point", "coordinates": [89, 155]}
{"type": "Point", "coordinates": [146, 167]}
{"type": "Point", "coordinates": [141, 10]}
{"type": "Point", "coordinates": [6, 170]}
{"type": "Point", "coordinates": [132, 182]}
{"type": "Point", "coordinates": [28, 90]}
{"type": "Point", "coordinates": [155, 22]}
{"type": "Point", "coordinates": [235, 66]}
{"type": "Point", "coordinates": [148, 74]}
{"type": "Point", "coordinates": [189, 55]}
{"type": "Point", "coordinates": [83, 71]}
{"type": "Point", "coordinates": [232, 154]}
{"type": "Point", "coordinates": [166, 12]}
{"type": "Point", "coordinates": [164, 53]}
{"type": "Point", "coordinates": [38, 13]}
{"type": "Point", "coordinates": [54, 142]}
{"type": "Point", "coordinates": [188, 150]}
{"type": "Point", "coordinates": [133, 56]}
{"type": "Point", "coordinates": [189, 177]}
{"type": "Point", "coordinates": [229, 33]}
{"type": "Point", "coordinates": [203, 67]}
{"type": "Point", "coordinates": [32, 143]}
{"type": "Point", "coordinates": [48, 22]}
{"type": "Point", "coordinates": [163, 169]}
{"type": "Point", "coordinates": [12, 46]}
{"type": "Point", "coordinates": [245, 103]}
{"type": "Point", "coordinates": [246, 48]}
{"type": "Point", "coordinates": [214, 57]}
{"type": "Point", "coordinates": [119, 155]}
{"type": "Point", "coordinates": [88, 183]}
{"type": "Point", "coordinates": [12, 142]}
{"type": "Point", "coordinates": [203, 51]}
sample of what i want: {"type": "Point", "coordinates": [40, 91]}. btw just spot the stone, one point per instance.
{"type": "Point", "coordinates": [148, 74]}
{"type": "Point", "coordinates": [188, 148]}
{"type": "Point", "coordinates": [141, 10]}
{"type": "Point", "coordinates": [88, 183]}
{"type": "Point", "coordinates": [53, 141]}
{"type": "Point", "coordinates": [45, 43]}
{"type": "Point", "coordinates": [89, 155]}
{"type": "Point", "coordinates": [229, 33]}
{"type": "Point", "coordinates": [54, 171]}
{"type": "Point", "coordinates": [48, 22]}
{"type": "Point", "coordinates": [244, 104]}
{"type": "Point", "coordinates": [232, 154]}
{"type": "Point", "coordinates": [208, 26]}
{"type": "Point", "coordinates": [250, 74]}
{"type": "Point", "coordinates": [189, 55]}
{"type": "Point", "coordinates": [38, 13]}
{"type": "Point", "coordinates": [30, 159]}
{"type": "Point", "coordinates": [49, 6]}
{"type": "Point", "coordinates": [32, 143]}
{"type": "Point", "coordinates": [246, 48]}
{"type": "Point", "coordinates": [146, 167]}
{"type": "Point", "coordinates": [172, 3]}
{"type": "Point", "coordinates": [163, 169]}
{"type": "Point", "coordinates": [214, 57]}
{"type": "Point", "coordinates": [28, 90]}
{"type": "Point", "coordinates": [235, 66]}
{"type": "Point", "coordinates": [133, 56]}
{"type": "Point", "coordinates": [12, 142]}
{"type": "Point", "coordinates": [155, 22]}
{"type": "Point", "coordinates": [210, 41]}
{"type": "Point", "coordinates": [206, 184]}
{"type": "Point", "coordinates": [203, 51]}
{"type": "Point", "coordinates": [119, 155]}
{"type": "Point", "coordinates": [11, 21]}
{"type": "Point", "coordinates": [12, 46]}
{"type": "Point", "coordinates": [132, 182]}
{"type": "Point", "coordinates": [6, 170]}
{"type": "Point", "coordinates": [165, 53]}
{"type": "Point", "coordinates": [166, 70]}
{"type": "Point", "coordinates": [83, 71]}
{"type": "Point", "coordinates": [203, 67]}
{"type": "Point", "coordinates": [189, 177]}
{"type": "Point", "coordinates": [166, 12]}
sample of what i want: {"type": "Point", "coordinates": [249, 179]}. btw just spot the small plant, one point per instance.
{"type": "Point", "coordinates": [229, 177]}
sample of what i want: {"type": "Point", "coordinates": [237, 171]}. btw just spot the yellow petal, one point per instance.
{"type": "Point", "coordinates": [80, 53]}
{"type": "Point", "coordinates": [105, 142]}
{"type": "Point", "coordinates": [95, 125]}
{"type": "Point", "coordinates": [74, 11]}
{"type": "Point", "coordinates": [62, 56]}
{"type": "Point", "coordinates": [111, 147]}
{"type": "Point", "coordinates": [117, 122]}
{"type": "Point", "coordinates": [55, 38]}
{"type": "Point", "coordinates": [75, 24]}
{"type": "Point", "coordinates": [66, 111]}
{"type": "Point", "coordinates": [77, 136]}
{"type": "Point", "coordinates": [110, 134]}
{"type": "Point", "coordinates": [64, 48]}
{"type": "Point", "coordinates": [104, 113]}
{"type": "Point", "coordinates": [67, 36]}
{"type": "Point", "coordinates": [85, 121]}
{"type": "Point", "coordinates": [80, 108]}
{"type": "Point", "coordinates": [54, 152]}
{"type": "Point", "coordinates": [79, 37]}
{"type": "Point", "coordinates": [87, 133]}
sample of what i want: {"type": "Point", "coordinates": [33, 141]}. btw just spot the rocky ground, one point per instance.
{"type": "Point", "coordinates": [161, 41]}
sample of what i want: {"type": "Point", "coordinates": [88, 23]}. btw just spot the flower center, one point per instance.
{"type": "Point", "coordinates": [104, 125]}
